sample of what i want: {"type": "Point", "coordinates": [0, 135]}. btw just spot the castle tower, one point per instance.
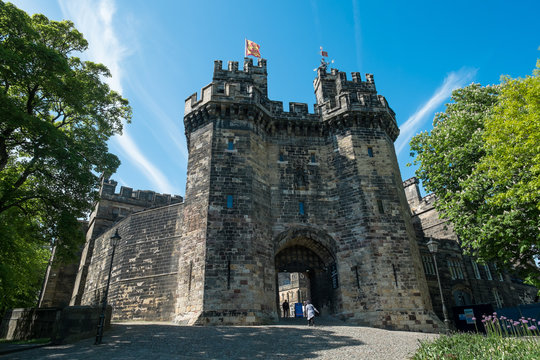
{"type": "Point", "coordinates": [319, 194]}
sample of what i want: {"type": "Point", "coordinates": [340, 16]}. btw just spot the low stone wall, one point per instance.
{"type": "Point", "coordinates": [31, 323]}
{"type": "Point", "coordinates": [61, 325]}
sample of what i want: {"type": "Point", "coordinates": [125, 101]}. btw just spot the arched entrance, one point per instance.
{"type": "Point", "coordinates": [306, 269]}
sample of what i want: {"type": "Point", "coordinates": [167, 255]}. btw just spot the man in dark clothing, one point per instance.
{"type": "Point", "coordinates": [285, 309]}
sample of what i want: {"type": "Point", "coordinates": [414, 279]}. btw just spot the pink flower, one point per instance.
{"type": "Point", "coordinates": [532, 327]}
{"type": "Point", "coordinates": [524, 321]}
{"type": "Point", "coordinates": [516, 323]}
{"type": "Point", "coordinates": [508, 326]}
{"type": "Point", "coordinates": [495, 313]}
{"type": "Point", "coordinates": [473, 319]}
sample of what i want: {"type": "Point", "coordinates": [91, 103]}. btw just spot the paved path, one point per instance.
{"type": "Point", "coordinates": [291, 339]}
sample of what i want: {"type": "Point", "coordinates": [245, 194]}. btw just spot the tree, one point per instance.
{"type": "Point", "coordinates": [56, 117]}
{"type": "Point", "coordinates": [482, 161]}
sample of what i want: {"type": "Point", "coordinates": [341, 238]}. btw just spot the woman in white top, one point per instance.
{"type": "Point", "coordinates": [310, 310]}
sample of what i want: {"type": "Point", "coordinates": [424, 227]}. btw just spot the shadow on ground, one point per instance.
{"type": "Point", "coordinates": [152, 341]}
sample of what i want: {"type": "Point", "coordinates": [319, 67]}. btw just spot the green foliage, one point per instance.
{"type": "Point", "coordinates": [57, 115]}
{"type": "Point", "coordinates": [23, 259]}
{"type": "Point", "coordinates": [478, 347]}
{"type": "Point", "coordinates": [482, 161]}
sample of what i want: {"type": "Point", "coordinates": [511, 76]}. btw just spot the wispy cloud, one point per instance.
{"type": "Point", "coordinates": [357, 33]}
{"type": "Point", "coordinates": [96, 21]}
{"type": "Point", "coordinates": [129, 148]}
{"type": "Point", "coordinates": [316, 19]}
{"type": "Point", "coordinates": [454, 80]}
{"type": "Point", "coordinates": [166, 126]}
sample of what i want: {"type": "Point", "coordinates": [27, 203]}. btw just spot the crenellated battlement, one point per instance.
{"type": "Point", "coordinates": [127, 194]}
{"type": "Point", "coordinates": [242, 93]}
{"type": "Point", "coordinates": [247, 86]}
{"type": "Point", "coordinates": [335, 93]}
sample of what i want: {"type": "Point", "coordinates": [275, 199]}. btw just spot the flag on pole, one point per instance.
{"type": "Point", "coordinates": [323, 53]}
{"type": "Point", "coordinates": [252, 49]}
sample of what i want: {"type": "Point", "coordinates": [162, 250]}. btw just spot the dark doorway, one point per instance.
{"type": "Point", "coordinates": [303, 275]}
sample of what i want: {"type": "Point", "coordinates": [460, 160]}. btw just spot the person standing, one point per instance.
{"type": "Point", "coordinates": [311, 310]}
{"type": "Point", "coordinates": [285, 309]}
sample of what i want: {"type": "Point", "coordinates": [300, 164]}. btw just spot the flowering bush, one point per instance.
{"type": "Point", "coordinates": [503, 326]}
{"type": "Point", "coordinates": [504, 339]}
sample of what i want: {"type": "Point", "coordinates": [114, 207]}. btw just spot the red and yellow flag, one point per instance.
{"type": "Point", "coordinates": [252, 49]}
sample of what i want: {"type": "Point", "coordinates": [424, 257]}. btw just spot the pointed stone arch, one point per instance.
{"type": "Point", "coordinates": [318, 241]}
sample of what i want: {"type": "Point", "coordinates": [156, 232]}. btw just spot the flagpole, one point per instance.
{"type": "Point", "coordinates": [245, 47]}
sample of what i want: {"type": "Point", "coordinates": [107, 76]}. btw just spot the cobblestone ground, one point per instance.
{"type": "Point", "coordinates": [291, 339]}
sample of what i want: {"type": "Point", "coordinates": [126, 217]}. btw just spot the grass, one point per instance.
{"type": "Point", "coordinates": [478, 347]}
{"type": "Point", "coordinates": [25, 342]}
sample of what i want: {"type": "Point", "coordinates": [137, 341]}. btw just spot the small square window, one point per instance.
{"type": "Point", "coordinates": [230, 144]}
{"type": "Point", "coordinates": [301, 208]}
{"type": "Point", "coordinates": [229, 201]}
{"type": "Point", "coordinates": [370, 151]}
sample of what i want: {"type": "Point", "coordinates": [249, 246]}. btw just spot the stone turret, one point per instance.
{"type": "Point", "coordinates": [338, 96]}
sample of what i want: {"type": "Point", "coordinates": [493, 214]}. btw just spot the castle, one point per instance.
{"type": "Point", "coordinates": [268, 192]}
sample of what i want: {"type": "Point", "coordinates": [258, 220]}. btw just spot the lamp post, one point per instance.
{"type": "Point", "coordinates": [433, 247]}
{"type": "Point", "coordinates": [115, 239]}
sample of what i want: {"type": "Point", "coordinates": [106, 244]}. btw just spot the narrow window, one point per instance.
{"type": "Point", "coordinates": [355, 268]}
{"type": "Point", "coordinates": [452, 269]}
{"type": "Point", "coordinates": [429, 268]}
{"type": "Point", "coordinates": [497, 298]}
{"type": "Point", "coordinates": [313, 159]}
{"type": "Point", "coordinates": [456, 271]}
{"type": "Point", "coordinates": [301, 208]}
{"type": "Point", "coordinates": [499, 274]}
{"type": "Point", "coordinates": [370, 151]}
{"type": "Point", "coordinates": [488, 272]}
{"type": "Point", "coordinates": [190, 273]}
{"type": "Point", "coordinates": [380, 205]}
{"type": "Point", "coordinates": [229, 201]}
{"type": "Point", "coordinates": [475, 269]}
{"type": "Point", "coordinates": [228, 274]}
{"type": "Point", "coordinates": [281, 156]}
{"type": "Point", "coordinates": [230, 144]}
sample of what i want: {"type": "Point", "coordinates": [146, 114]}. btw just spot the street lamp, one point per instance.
{"type": "Point", "coordinates": [433, 247]}
{"type": "Point", "coordinates": [115, 239]}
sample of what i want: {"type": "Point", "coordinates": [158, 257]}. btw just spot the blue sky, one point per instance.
{"type": "Point", "coordinates": [160, 52]}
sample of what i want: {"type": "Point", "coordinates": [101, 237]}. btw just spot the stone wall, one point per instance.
{"type": "Point", "coordinates": [191, 251]}
{"type": "Point", "coordinates": [59, 286]}
{"type": "Point", "coordinates": [145, 271]}
{"type": "Point", "coordinates": [110, 209]}
{"type": "Point", "coordinates": [64, 325]}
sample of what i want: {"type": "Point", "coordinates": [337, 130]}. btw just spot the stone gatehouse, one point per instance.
{"type": "Point", "coordinates": [269, 191]}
